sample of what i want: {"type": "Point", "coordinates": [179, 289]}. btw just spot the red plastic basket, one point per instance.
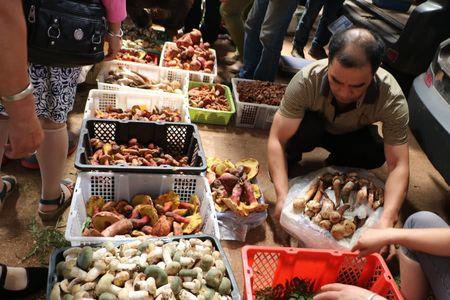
{"type": "Point", "coordinates": [270, 266]}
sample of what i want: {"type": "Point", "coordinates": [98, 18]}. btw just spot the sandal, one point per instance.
{"type": "Point", "coordinates": [9, 186]}
{"type": "Point", "coordinates": [62, 201]}
{"type": "Point", "coordinates": [36, 280]}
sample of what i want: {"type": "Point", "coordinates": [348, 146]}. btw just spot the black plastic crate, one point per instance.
{"type": "Point", "coordinates": [57, 256]}
{"type": "Point", "coordinates": [175, 138]}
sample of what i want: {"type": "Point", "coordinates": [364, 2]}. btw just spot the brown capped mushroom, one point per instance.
{"type": "Point", "coordinates": [349, 227]}
{"type": "Point", "coordinates": [103, 219]}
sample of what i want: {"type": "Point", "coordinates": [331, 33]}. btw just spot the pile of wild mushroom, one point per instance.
{"type": "Point", "coordinates": [190, 53]}
{"type": "Point", "coordinates": [143, 270]}
{"type": "Point", "coordinates": [126, 77]}
{"type": "Point", "coordinates": [142, 216]}
{"type": "Point", "coordinates": [351, 191]}
{"type": "Point", "coordinates": [140, 113]}
{"type": "Point", "coordinates": [231, 185]}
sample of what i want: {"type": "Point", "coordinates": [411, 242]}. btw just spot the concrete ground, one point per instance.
{"type": "Point", "coordinates": [427, 190]}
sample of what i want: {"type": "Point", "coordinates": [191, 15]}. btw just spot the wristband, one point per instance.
{"type": "Point", "coordinates": [372, 296]}
{"type": "Point", "coordinates": [20, 95]}
{"type": "Point", "coordinates": [119, 35]}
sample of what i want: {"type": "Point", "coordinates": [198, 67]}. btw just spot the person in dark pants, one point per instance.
{"type": "Point", "coordinates": [332, 9]}
{"type": "Point", "coordinates": [210, 27]}
{"type": "Point", "coordinates": [366, 150]}
{"type": "Point", "coordinates": [332, 103]}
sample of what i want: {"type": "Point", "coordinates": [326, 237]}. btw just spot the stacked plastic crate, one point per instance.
{"type": "Point", "coordinates": [114, 180]}
{"type": "Point", "coordinates": [146, 107]}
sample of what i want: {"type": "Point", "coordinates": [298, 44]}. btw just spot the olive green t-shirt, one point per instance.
{"type": "Point", "coordinates": [309, 90]}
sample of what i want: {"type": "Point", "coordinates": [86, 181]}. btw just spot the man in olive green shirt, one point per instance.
{"type": "Point", "coordinates": [333, 104]}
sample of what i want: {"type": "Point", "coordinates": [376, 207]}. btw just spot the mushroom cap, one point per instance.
{"type": "Point", "coordinates": [141, 199]}
{"type": "Point", "coordinates": [251, 167]}
{"type": "Point", "coordinates": [94, 201]}
{"type": "Point", "coordinates": [150, 211]}
{"type": "Point", "coordinates": [103, 219]}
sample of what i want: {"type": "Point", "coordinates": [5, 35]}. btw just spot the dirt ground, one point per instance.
{"type": "Point", "coordinates": [427, 189]}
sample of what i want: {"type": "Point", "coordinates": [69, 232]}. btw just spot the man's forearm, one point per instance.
{"type": "Point", "coordinates": [278, 168]}
{"type": "Point", "coordinates": [433, 241]}
{"type": "Point", "coordinates": [394, 194]}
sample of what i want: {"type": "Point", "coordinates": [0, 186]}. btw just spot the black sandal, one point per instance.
{"type": "Point", "coordinates": [36, 280]}
{"type": "Point", "coordinates": [62, 202]}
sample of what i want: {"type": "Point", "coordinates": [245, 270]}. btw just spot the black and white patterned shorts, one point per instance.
{"type": "Point", "coordinates": [54, 91]}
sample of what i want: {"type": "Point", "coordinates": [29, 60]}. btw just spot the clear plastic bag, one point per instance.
{"type": "Point", "coordinates": [312, 235]}
{"type": "Point", "coordinates": [230, 230]}
{"type": "Point", "coordinates": [234, 227]}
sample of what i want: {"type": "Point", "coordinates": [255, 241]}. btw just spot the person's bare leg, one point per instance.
{"type": "Point", "coordinates": [19, 282]}
{"type": "Point", "coordinates": [16, 279]}
{"type": "Point", "coordinates": [414, 284]}
{"type": "Point", "coordinates": [51, 156]}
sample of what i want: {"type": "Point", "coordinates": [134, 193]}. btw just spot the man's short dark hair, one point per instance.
{"type": "Point", "coordinates": [346, 44]}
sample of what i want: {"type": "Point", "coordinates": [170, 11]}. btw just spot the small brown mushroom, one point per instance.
{"type": "Point", "coordinates": [327, 208]}
{"type": "Point", "coordinates": [349, 227]}
{"type": "Point", "coordinates": [325, 224]}
{"type": "Point", "coordinates": [338, 231]}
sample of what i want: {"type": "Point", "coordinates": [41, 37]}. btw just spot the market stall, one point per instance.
{"type": "Point", "coordinates": [155, 216]}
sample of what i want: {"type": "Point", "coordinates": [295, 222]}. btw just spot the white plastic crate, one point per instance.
{"type": "Point", "coordinates": [251, 115]}
{"type": "Point", "coordinates": [150, 71]}
{"type": "Point", "coordinates": [116, 186]}
{"type": "Point", "coordinates": [193, 75]}
{"type": "Point", "coordinates": [101, 99]}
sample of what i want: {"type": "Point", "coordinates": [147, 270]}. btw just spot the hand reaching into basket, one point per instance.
{"type": "Point", "coordinates": [338, 291]}
{"type": "Point", "coordinates": [375, 239]}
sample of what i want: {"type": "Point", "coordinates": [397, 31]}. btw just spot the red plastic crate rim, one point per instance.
{"type": "Point", "coordinates": [270, 266]}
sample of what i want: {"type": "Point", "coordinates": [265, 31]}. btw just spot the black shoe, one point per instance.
{"type": "Point", "coordinates": [317, 52]}
{"type": "Point", "coordinates": [36, 280]}
{"type": "Point", "coordinates": [297, 53]}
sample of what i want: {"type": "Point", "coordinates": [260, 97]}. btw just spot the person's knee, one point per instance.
{"type": "Point", "coordinates": [254, 21]}
{"type": "Point", "coordinates": [270, 40]}
{"type": "Point", "coordinates": [424, 219]}
{"type": "Point", "coordinates": [51, 125]}
{"type": "Point", "coordinates": [308, 135]}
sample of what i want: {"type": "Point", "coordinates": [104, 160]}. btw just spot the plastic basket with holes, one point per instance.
{"type": "Point", "coordinates": [212, 116]}
{"type": "Point", "coordinates": [269, 269]}
{"type": "Point", "coordinates": [250, 115]}
{"type": "Point", "coordinates": [176, 139]}
{"type": "Point", "coordinates": [193, 75]}
{"type": "Point", "coordinates": [116, 186]}
{"type": "Point", "coordinates": [101, 100]}
{"type": "Point", "coordinates": [154, 73]}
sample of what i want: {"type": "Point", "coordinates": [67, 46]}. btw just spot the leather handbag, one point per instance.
{"type": "Point", "coordinates": [65, 33]}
